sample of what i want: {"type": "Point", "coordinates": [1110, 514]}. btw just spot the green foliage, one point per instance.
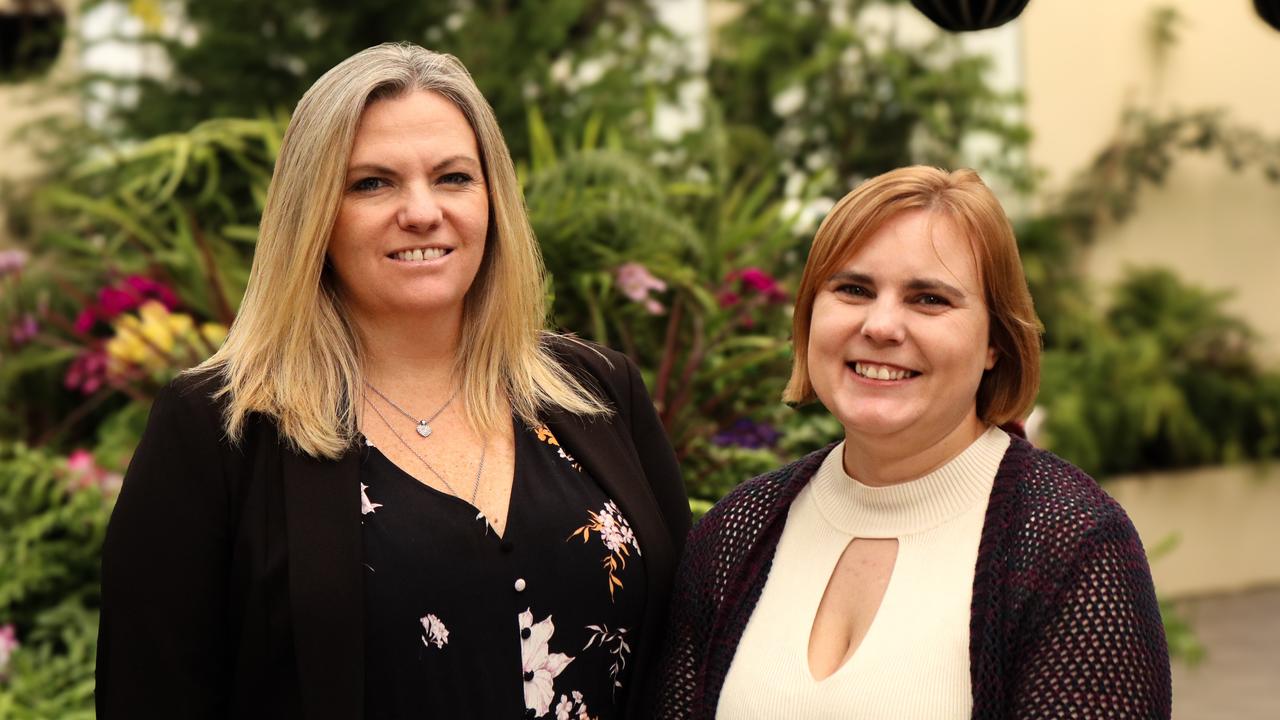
{"type": "Point", "coordinates": [571, 58]}
{"type": "Point", "coordinates": [51, 532]}
{"type": "Point", "coordinates": [828, 88]}
{"type": "Point", "coordinates": [1165, 378]}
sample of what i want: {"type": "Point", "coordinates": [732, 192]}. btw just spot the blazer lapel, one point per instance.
{"type": "Point", "coordinates": [326, 586]}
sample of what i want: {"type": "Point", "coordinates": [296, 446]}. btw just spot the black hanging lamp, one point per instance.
{"type": "Point", "coordinates": [969, 15]}
{"type": "Point", "coordinates": [1269, 11]}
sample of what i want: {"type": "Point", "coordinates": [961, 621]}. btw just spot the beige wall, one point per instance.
{"type": "Point", "coordinates": [1086, 58]}
{"type": "Point", "coordinates": [23, 103]}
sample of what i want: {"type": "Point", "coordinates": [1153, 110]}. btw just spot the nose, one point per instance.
{"type": "Point", "coordinates": [419, 210]}
{"type": "Point", "coordinates": [884, 322]}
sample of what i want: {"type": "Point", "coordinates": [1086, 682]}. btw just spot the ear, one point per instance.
{"type": "Point", "coordinates": [991, 357]}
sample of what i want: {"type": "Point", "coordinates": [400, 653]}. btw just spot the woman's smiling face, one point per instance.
{"type": "Point", "coordinates": [410, 231]}
{"type": "Point", "coordinates": [899, 337]}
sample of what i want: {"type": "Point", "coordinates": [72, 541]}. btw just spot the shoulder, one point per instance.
{"type": "Point", "coordinates": [596, 359]}
{"type": "Point", "coordinates": [1050, 504]}
{"type": "Point", "coordinates": [190, 401]}
{"type": "Point", "coordinates": [603, 369]}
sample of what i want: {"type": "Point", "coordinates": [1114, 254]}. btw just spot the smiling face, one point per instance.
{"type": "Point", "coordinates": [410, 232]}
{"type": "Point", "coordinates": [899, 340]}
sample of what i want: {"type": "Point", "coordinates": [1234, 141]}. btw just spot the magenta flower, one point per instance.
{"type": "Point", "coordinates": [760, 282]}
{"type": "Point", "coordinates": [636, 282]}
{"type": "Point", "coordinates": [127, 295]}
{"type": "Point", "coordinates": [88, 372]}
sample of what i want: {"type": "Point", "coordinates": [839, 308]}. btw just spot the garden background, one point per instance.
{"type": "Point", "coordinates": [676, 158]}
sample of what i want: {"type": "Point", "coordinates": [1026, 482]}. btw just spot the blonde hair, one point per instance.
{"type": "Point", "coordinates": [1006, 391]}
{"type": "Point", "coordinates": [293, 354]}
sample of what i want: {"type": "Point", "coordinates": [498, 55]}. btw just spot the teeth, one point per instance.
{"type": "Point", "coordinates": [879, 372]}
{"type": "Point", "coordinates": [420, 254]}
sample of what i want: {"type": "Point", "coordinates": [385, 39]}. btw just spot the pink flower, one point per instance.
{"type": "Point", "coordinates": [12, 262]}
{"type": "Point", "coordinates": [636, 282]}
{"type": "Point", "coordinates": [8, 643]}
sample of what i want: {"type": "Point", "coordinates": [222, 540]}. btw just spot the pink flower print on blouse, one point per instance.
{"type": "Point", "coordinates": [366, 507]}
{"type": "Point", "coordinates": [434, 632]}
{"type": "Point", "coordinates": [617, 536]}
{"type": "Point", "coordinates": [572, 707]}
{"type": "Point", "coordinates": [540, 666]}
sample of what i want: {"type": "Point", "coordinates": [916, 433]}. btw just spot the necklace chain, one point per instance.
{"type": "Point", "coordinates": [423, 425]}
{"type": "Point", "coordinates": [475, 486]}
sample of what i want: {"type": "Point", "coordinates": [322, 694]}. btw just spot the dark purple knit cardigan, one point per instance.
{"type": "Point", "coordinates": [1064, 621]}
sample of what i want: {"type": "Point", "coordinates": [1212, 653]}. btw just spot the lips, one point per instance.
{"type": "Point", "coordinates": [880, 371]}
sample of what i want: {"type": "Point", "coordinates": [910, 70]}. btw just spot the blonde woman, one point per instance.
{"type": "Point", "coordinates": [392, 493]}
{"type": "Point", "coordinates": [931, 564]}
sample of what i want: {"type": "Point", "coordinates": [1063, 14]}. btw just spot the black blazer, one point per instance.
{"type": "Point", "coordinates": [231, 575]}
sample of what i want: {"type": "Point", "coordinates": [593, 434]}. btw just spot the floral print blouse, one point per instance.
{"type": "Point", "coordinates": [460, 622]}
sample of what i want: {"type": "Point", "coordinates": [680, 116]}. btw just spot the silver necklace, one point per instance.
{"type": "Point", "coordinates": [475, 486]}
{"type": "Point", "coordinates": [423, 426]}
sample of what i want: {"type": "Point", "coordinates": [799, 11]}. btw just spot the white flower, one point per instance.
{"type": "Point", "coordinates": [564, 708]}
{"type": "Point", "coordinates": [540, 666]}
{"type": "Point", "coordinates": [366, 507]}
{"type": "Point", "coordinates": [434, 632]}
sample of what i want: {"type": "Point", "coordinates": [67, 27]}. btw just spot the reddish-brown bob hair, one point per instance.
{"type": "Point", "coordinates": [1008, 390]}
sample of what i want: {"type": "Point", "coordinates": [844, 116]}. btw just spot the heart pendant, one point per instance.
{"type": "Point", "coordinates": [424, 429]}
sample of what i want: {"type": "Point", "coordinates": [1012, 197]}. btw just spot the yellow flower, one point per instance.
{"type": "Point", "coordinates": [156, 339]}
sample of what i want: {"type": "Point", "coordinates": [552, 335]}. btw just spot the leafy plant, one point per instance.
{"type": "Point", "coordinates": [52, 522]}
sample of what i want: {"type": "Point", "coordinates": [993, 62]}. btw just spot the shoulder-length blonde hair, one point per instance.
{"type": "Point", "coordinates": [1006, 391]}
{"type": "Point", "coordinates": [293, 354]}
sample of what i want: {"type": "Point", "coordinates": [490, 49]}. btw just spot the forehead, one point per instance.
{"type": "Point", "coordinates": [416, 118]}
{"type": "Point", "coordinates": [916, 244]}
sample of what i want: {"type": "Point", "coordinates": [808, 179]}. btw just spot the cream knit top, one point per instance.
{"type": "Point", "coordinates": [914, 660]}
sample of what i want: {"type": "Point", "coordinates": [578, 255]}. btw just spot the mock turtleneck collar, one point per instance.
{"type": "Point", "coordinates": [913, 506]}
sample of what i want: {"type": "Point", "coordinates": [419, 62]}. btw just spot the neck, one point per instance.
{"type": "Point", "coordinates": [413, 354]}
{"type": "Point", "coordinates": [880, 461]}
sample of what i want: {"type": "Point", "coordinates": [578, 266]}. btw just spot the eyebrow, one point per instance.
{"type": "Point", "coordinates": [916, 284]}
{"type": "Point", "coordinates": [377, 169]}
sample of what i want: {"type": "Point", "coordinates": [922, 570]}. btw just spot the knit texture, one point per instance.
{"type": "Point", "coordinates": [913, 661]}
{"type": "Point", "coordinates": [1064, 620]}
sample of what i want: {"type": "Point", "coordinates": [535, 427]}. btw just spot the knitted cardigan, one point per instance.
{"type": "Point", "coordinates": [1064, 619]}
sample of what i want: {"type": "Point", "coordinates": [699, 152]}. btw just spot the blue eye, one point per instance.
{"type": "Point", "coordinates": [368, 184]}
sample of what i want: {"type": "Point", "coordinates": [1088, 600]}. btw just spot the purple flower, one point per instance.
{"type": "Point", "coordinates": [24, 329]}
{"type": "Point", "coordinates": [8, 643]}
{"type": "Point", "coordinates": [12, 261]}
{"type": "Point", "coordinates": [747, 433]}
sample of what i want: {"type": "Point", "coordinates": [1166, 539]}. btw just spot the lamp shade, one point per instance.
{"type": "Point", "coordinates": [968, 15]}
{"type": "Point", "coordinates": [1268, 10]}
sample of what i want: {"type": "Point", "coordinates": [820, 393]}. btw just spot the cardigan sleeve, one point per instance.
{"type": "Point", "coordinates": [163, 649]}
{"type": "Point", "coordinates": [1102, 652]}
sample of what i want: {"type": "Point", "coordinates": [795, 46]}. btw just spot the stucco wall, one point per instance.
{"type": "Point", "coordinates": [1085, 59]}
